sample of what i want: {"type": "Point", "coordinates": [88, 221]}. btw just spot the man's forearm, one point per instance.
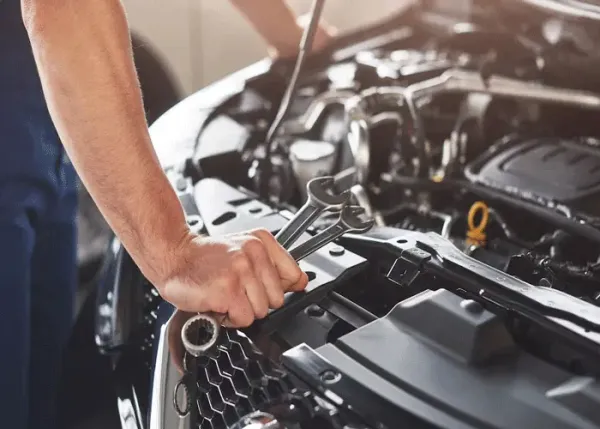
{"type": "Point", "coordinates": [83, 53]}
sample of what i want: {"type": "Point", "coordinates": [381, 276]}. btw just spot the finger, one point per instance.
{"type": "Point", "coordinates": [288, 269]}
{"type": "Point", "coordinates": [241, 314]}
{"type": "Point", "coordinates": [300, 285]}
{"type": "Point", "coordinates": [258, 299]}
{"type": "Point", "coordinates": [255, 291]}
{"type": "Point", "coordinates": [265, 271]}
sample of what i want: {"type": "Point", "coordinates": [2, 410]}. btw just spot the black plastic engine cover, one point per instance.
{"type": "Point", "coordinates": [438, 361]}
{"type": "Point", "coordinates": [549, 171]}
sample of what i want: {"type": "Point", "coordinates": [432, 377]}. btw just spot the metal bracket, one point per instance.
{"type": "Point", "coordinates": [557, 311]}
{"type": "Point", "coordinates": [408, 266]}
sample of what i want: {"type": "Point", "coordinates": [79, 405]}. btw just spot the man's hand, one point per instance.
{"type": "Point", "coordinates": [278, 26]}
{"type": "Point", "coordinates": [240, 276]}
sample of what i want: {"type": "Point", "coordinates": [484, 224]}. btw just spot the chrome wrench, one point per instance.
{"type": "Point", "coordinates": [200, 333]}
{"type": "Point", "coordinates": [320, 199]}
{"type": "Point", "coordinates": [349, 221]}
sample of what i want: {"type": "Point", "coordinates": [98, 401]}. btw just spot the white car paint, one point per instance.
{"type": "Point", "coordinates": [204, 40]}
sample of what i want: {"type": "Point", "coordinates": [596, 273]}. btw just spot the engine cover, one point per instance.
{"type": "Point", "coordinates": [549, 171]}
{"type": "Point", "coordinates": [438, 359]}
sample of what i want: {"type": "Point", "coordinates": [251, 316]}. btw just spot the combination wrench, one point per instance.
{"type": "Point", "coordinates": [349, 221]}
{"type": "Point", "coordinates": [320, 199]}
{"type": "Point", "coordinates": [200, 333]}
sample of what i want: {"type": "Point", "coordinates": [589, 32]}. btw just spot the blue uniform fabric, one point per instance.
{"type": "Point", "coordinates": [38, 271]}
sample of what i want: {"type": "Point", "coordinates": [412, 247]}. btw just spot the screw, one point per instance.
{"type": "Point", "coordinates": [330, 377]}
{"type": "Point", "coordinates": [337, 251]}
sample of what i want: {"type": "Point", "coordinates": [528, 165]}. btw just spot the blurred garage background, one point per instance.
{"type": "Point", "coordinates": [203, 40]}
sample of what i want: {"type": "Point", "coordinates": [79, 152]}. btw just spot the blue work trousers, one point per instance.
{"type": "Point", "coordinates": [38, 271]}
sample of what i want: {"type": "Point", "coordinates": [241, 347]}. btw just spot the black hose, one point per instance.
{"type": "Point", "coordinates": [360, 311]}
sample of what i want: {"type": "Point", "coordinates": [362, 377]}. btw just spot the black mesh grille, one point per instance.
{"type": "Point", "coordinates": [234, 380]}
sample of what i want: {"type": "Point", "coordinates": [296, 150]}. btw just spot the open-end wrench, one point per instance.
{"type": "Point", "coordinates": [349, 221]}
{"type": "Point", "coordinates": [320, 199]}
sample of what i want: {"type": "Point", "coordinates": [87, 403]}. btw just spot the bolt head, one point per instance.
{"type": "Point", "coordinates": [330, 377]}
{"type": "Point", "coordinates": [337, 251]}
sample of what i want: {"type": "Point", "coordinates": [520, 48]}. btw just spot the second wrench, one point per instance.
{"type": "Point", "coordinates": [320, 199]}
{"type": "Point", "coordinates": [349, 221]}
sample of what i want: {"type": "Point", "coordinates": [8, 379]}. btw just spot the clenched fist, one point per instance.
{"type": "Point", "coordinates": [240, 276]}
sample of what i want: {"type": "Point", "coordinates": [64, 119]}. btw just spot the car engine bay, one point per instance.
{"type": "Point", "coordinates": [473, 303]}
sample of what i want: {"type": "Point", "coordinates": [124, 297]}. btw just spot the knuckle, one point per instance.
{"type": "Point", "coordinates": [219, 306]}
{"type": "Point", "coordinates": [252, 245]}
{"type": "Point", "coordinates": [262, 312]}
{"type": "Point", "coordinates": [246, 321]}
{"type": "Point", "coordinates": [277, 300]}
{"type": "Point", "coordinates": [293, 272]}
{"type": "Point", "coordinates": [240, 262]}
{"type": "Point", "coordinates": [262, 233]}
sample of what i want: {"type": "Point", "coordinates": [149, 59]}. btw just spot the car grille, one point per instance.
{"type": "Point", "coordinates": [236, 379]}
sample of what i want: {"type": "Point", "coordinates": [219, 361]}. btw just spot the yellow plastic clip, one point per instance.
{"type": "Point", "coordinates": [476, 233]}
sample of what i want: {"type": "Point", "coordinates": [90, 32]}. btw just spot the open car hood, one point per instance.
{"type": "Point", "coordinates": [574, 8]}
{"type": "Point", "coordinates": [477, 141]}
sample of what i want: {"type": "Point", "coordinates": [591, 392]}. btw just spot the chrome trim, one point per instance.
{"type": "Point", "coordinates": [166, 376]}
